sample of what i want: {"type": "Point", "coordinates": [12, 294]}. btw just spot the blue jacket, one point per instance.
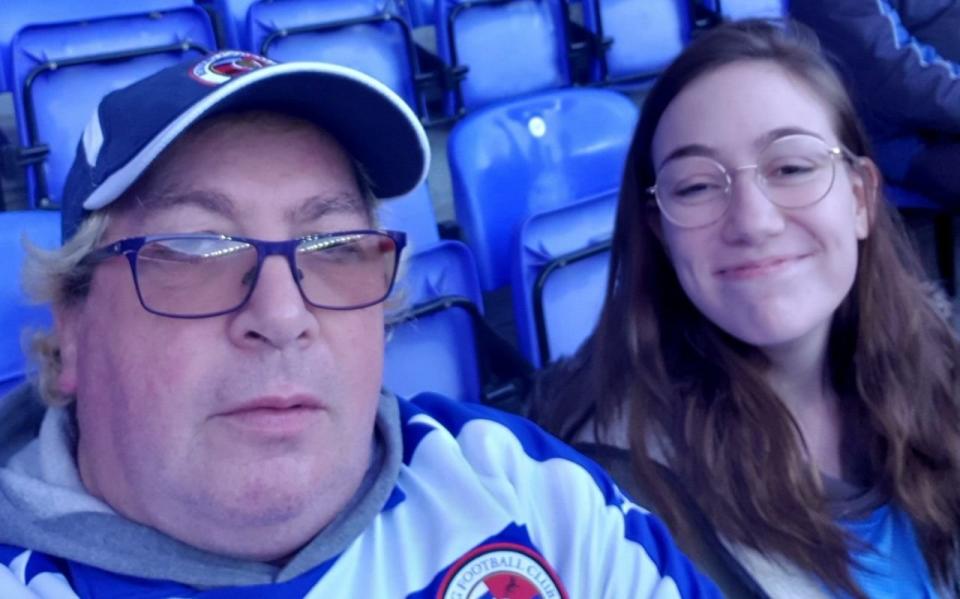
{"type": "Point", "coordinates": [902, 61]}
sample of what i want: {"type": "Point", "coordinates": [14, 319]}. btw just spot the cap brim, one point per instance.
{"type": "Point", "coordinates": [373, 124]}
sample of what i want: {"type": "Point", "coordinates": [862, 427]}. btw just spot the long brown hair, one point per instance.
{"type": "Point", "coordinates": [701, 395]}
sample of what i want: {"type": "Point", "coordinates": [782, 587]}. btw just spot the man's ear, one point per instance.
{"type": "Point", "coordinates": [65, 324]}
{"type": "Point", "coordinates": [865, 178]}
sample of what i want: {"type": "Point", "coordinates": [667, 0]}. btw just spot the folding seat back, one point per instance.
{"type": "Point", "coordinates": [903, 198]}
{"type": "Point", "coordinates": [413, 214]}
{"type": "Point", "coordinates": [559, 276]}
{"type": "Point", "coordinates": [531, 155]}
{"type": "Point", "coordinates": [18, 14]}
{"type": "Point", "coordinates": [761, 9]}
{"type": "Point", "coordinates": [641, 36]}
{"type": "Point", "coordinates": [17, 314]}
{"type": "Point", "coordinates": [233, 19]}
{"type": "Point", "coordinates": [509, 48]}
{"type": "Point", "coordinates": [432, 341]}
{"type": "Point", "coordinates": [368, 35]}
{"type": "Point", "coordinates": [63, 70]}
{"type": "Point", "coordinates": [421, 12]}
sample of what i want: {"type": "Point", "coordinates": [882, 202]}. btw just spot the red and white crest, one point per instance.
{"type": "Point", "coordinates": [501, 571]}
{"type": "Point", "coordinates": [221, 67]}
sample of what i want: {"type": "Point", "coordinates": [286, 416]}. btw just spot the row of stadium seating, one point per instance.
{"type": "Point", "coordinates": [490, 49]}
{"type": "Point", "coordinates": [59, 57]}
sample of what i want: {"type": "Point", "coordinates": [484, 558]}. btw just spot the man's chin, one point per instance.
{"type": "Point", "coordinates": [261, 524]}
{"type": "Point", "coordinates": [260, 505]}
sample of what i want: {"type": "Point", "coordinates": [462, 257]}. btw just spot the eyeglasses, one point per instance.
{"type": "Point", "coordinates": [203, 275]}
{"type": "Point", "coordinates": [794, 171]}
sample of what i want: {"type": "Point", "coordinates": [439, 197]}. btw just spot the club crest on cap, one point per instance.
{"type": "Point", "coordinates": [221, 67]}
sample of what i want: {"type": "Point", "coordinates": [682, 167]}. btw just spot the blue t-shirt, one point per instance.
{"type": "Point", "coordinates": [892, 565]}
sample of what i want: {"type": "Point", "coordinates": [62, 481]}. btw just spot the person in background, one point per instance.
{"type": "Point", "coordinates": [901, 58]}
{"type": "Point", "coordinates": [769, 372]}
{"type": "Point", "coordinates": [215, 424]}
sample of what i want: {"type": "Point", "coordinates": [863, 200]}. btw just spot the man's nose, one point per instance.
{"type": "Point", "coordinates": [276, 313]}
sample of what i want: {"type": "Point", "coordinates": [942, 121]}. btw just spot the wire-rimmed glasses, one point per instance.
{"type": "Point", "coordinates": [793, 171]}
{"type": "Point", "coordinates": [202, 275]}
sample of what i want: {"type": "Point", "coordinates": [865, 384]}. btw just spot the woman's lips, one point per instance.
{"type": "Point", "coordinates": [762, 267]}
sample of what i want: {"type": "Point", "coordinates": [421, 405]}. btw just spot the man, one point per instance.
{"type": "Point", "coordinates": [216, 426]}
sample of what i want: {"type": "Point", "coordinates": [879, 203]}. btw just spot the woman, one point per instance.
{"type": "Point", "coordinates": [767, 350]}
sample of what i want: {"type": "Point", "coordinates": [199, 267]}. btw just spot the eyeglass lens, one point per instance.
{"type": "Point", "coordinates": [793, 171]}
{"type": "Point", "coordinates": [195, 276]}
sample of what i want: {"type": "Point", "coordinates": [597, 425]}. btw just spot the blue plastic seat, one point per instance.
{"type": "Point", "coordinates": [18, 14]}
{"type": "Point", "coordinates": [643, 36]}
{"type": "Point", "coordinates": [413, 214]}
{"type": "Point", "coordinates": [743, 9]}
{"type": "Point", "coordinates": [371, 36]}
{"type": "Point", "coordinates": [236, 30]}
{"type": "Point", "coordinates": [421, 12]}
{"type": "Point", "coordinates": [17, 315]}
{"type": "Point", "coordinates": [62, 70]}
{"type": "Point", "coordinates": [559, 276]}
{"type": "Point", "coordinates": [432, 345]}
{"type": "Point", "coordinates": [532, 155]}
{"type": "Point", "coordinates": [904, 198]}
{"type": "Point", "coordinates": [233, 18]}
{"type": "Point", "coordinates": [509, 47]}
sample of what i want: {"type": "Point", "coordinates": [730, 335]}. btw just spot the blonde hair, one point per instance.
{"type": "Point", "coordinates": [61, 279]}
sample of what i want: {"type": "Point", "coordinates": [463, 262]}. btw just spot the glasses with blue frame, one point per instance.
{"type": "Point", "coordinates": [204, 274]}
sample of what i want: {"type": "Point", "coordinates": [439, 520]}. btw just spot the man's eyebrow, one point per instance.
{"type": "Point", "coordinates": [210, 201]}
{"type": "Point", "coordinates": [316, 207]}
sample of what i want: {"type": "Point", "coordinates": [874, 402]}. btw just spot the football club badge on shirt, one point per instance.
{"type": "Point", "coordinates": [221, 67]}
{"type": "Point", "coordinates": [501, 571]}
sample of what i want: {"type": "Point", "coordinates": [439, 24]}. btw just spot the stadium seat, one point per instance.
{"type": "Point", "coordinates": [559, 276]}
{"type": "Point", "coordinates": [906, 200]}
{"type": "Point", "coordinates": [741, 9]}
{"type": "Point", "coordinates": [638, 38]}
{"type": "Point", "coordinates": [532, 155]}
{"type": "Point", "coordinates": [371, 36]}
{"type": "Point", "coordinates": [509, 48]}
{"type": "Point", "coordinates": [903, 198]}
{"type": "Point", "coordinates": [18, 14]}
{"type": "Point", "coordinates": [62, 70]}
{"type": "Point", "coordinates": [17, 315]}
{"type": "Point", "coordinates": [421, 12]}
{"type": "Point", "coordinates": [432, 345]}
{"type": "Point", "coordinates": [413, 214]}
{"type": "Point", "coordinates": [233, 17]}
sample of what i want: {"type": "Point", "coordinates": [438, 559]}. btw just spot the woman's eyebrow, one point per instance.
{"type": "Point", "coordinates": [689, 150]}
{"type": "Point", "coordinates": [774, 134]}
{"type": "Point", "coordinates": [760, 143]}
